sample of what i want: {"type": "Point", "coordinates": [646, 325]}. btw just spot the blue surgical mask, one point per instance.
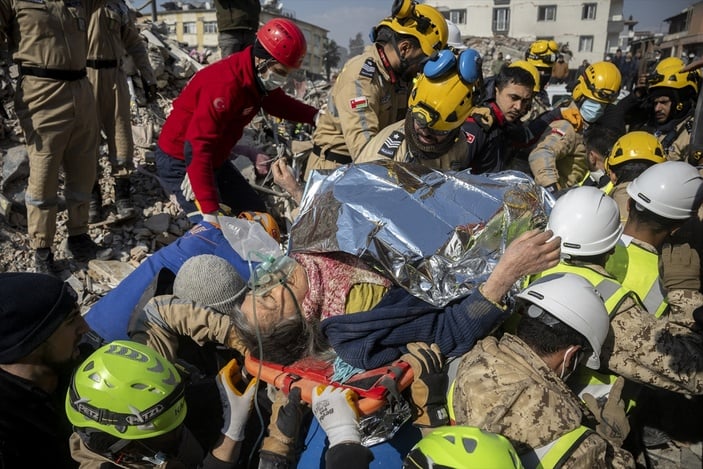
{"type": "Point", "coordinates": [591, 110]}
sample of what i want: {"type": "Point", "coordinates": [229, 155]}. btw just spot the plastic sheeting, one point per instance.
{"type": "Point", "coordinates": [436, 234]}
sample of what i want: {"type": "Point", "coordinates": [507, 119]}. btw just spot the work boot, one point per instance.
{"type": "Point", "coordinates": [81, 247]}
{"type": "Point", "coordinates": [122, 199]}
{"type": "Point", "coordinates": [95, 208]}
{"type": "Point", "coordinates": [44, 261]}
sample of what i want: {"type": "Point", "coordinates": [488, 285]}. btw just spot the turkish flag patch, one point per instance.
{"type": "Point", "coordinates": [360, 102]}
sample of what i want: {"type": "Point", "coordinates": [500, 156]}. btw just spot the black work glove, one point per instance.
{"type": "Point", "coordinates": [286, 420]}
{"type": "Point", "coordinates": [429, 388]}
{"type": "Point", "coordinates": [149, 91]}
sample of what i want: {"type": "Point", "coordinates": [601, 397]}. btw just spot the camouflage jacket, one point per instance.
{"type": "Point", "coordinates": [505, 387]}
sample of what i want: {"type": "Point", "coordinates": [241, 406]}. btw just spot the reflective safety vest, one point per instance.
{"type": "Point", "coordinates": [637, 269]}
{"type": "Point", "coordinates": [585, 380]}
{"type": "Point", "coordinates": [555, 454]}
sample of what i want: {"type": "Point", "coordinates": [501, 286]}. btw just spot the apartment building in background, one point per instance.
{"type": "Point", "coordinates": [590, 28]}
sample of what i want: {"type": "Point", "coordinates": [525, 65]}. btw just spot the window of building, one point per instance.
{"type": "Point", "coordinates": [457, 16]}
{"type": "Point", "coordinates": [501, 2]}
{"type": "Point", "coordinates": [210, 27]}
{"type": "Point", "coordinates": [189, 27]}
{"type": "Point", "coordinates": [547, 13]}
{"type": "Point", "coordinates": [585, 43]}
{"type": "Point", "coordinates": [171, 28]}
{"type": "Point", "coordinates": [501, 20]}
{"type": "Point", "coordinates": [589, 11]}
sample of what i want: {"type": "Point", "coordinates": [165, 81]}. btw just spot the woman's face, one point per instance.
{"type": "Point", "coordinates": [277, 303]}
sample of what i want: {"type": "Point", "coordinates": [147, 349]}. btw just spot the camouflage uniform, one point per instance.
{"type": "Point", "coordinates": [662, 353]}
{"type": "Point", "coordinates": [366, 97]}
{"type": "Point", "coordinates": [391, 142]}
{"type": "Point", "coordinates": [622, 198]}
{"type": "Point", "coordinates": [112, 34]}
{"type": "Point", "coordinates": [559, 157]}
{"type": "Point", "coordinates": [55, 107]}
{"type": "Point", "coordinates": [505, 387]}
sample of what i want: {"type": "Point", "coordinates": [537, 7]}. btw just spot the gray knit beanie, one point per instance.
{"type": "Point", "coordinates": [211, 281]}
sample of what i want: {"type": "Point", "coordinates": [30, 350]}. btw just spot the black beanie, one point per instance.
{"type": "Point", "coordinates": [260, 51]}
{"type": "Point", "coordinates": [32, 306]}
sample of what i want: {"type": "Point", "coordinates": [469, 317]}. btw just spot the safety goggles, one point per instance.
{"type": "Point", "coordinates": [425, 117]}
{"type": "Point", "coordinates": [600, 93]}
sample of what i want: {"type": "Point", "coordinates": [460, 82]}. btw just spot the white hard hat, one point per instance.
{"type": "Point", "coordinates": [454, 36]}
{"type": "Point", "coordinates": [587, 220]}
{"type": "Point", "coordinates": [572, 300]}
{"type": "Point", "coordinates": [672, 189]}
{"type": "Point", "coordinates": [508, 57]}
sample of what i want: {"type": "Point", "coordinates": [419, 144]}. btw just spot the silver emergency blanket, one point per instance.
{"type": "Point", "coordinates": [437, 234]}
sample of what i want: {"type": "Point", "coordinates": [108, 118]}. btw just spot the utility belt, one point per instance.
{"type": "Point", "coordinates": [63, 75]}
{"type": "Point", "coordinates": [332, 156]}
{"type": "Point", "coordinates": [97, 63]}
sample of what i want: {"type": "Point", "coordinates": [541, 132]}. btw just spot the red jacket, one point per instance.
{"type": "Point", "coordinates": [210, 114]}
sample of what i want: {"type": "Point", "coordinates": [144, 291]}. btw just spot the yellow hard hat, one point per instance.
{"type": "Point", "coordinates": [441, 103]}
{"type": "Point", "coordinates": [543, 53]}
{"type": "Point", "coordinates": [423, 22]}
{"type": "Point", "coordinates": [668, 74]}
{"type": "Point", "coordinates": [634, 146]}
{"type": "Point", "coordinates": [599, 82]}
{"type": "Point", "coordinates": [525, 65]}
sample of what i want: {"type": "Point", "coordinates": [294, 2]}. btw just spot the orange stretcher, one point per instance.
{"type": "Point", "coordinates": [374, 387]}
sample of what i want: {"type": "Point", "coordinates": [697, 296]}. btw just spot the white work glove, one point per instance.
{"type": "Point", "coordinates": [187, 189]}
{"type": "Point", "coordinates": [336, 411]}
{"type": "Point", "coordinates": [235, 404]}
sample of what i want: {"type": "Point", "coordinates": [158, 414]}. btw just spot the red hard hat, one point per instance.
{"type": "Point", "coordinates": [284, 41]}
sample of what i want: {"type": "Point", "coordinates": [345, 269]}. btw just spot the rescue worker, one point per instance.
{"type": "Point", "coordinates": [430, 134]}
{"type": "Point", "coordinates": [127, 405]}
{"type": "Point", "coordinates": [662, 199]}
{"type": "Point", "coordinates": [558, 161]}
{"type": "Point", "coordinates": [672, 96]}
{"type": "Point", "coordinates": [112, 34]}
{"type": "Point", "coordinates": [598, 143]}
{"type": "Point", "coordinates": [542, 54]}
{"type": "Point", "coordinates": [40, 328]}
{"type": "Point", "coordinates": [56, 110]}
{"type": "Point", "coordinates": [515, 386]}
{"type": "Point", "coordinates": [371, 91]}
{"type": "Point", "coordinates": [209, 115]}
{"type": "Point", "coordinates": [237, 22]}
{"type": "Point", "coordinates": [494, 128]}
{"type": "Point", "coordinates": [630, 156]}
{"type": "Point", "coordinates": [639, 347]}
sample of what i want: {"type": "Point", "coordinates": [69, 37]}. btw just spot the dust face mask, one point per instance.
{"type": "Point", "coordinates": [272, 80]}
{"type": "Point", "coordinates": [592, 110]}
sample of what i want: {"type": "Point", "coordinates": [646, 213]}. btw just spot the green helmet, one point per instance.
{"type": "Point", "coordinates": [127, 390]}
{"type": "Point", "coordinates": [459, 447]}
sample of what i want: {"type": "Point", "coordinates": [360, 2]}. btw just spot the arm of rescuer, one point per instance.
{"type": "Point", "coordinates": [165, 318]}
{"type": "Point", "coordinates": [136, 47]}
{"type": "Point", "coordinates": [557, 143]}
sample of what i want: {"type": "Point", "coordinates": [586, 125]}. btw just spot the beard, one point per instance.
{"type": "Point", "coordinates": [423, 151]}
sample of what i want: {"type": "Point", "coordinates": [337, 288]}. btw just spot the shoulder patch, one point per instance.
{"type": "Point", "coordinates": [391, 144]}
{"type": "Point", "coordinates": [360, 102]}
{"type": "Point", "coordinates": [558, 132]}
{"type": "Point", "coordinates": [368, 70]}
{"type": "Point", "coordinates": [470, 137]}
